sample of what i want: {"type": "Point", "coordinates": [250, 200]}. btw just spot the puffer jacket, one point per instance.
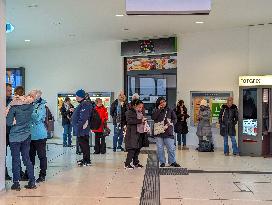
{"type": "Point", "coordinates": [204, 125]}
{"type": "Point", "coordinates": [103, 113]}
{"type": "Point", "coordinates": [38, 129]}
{"type": "Point", "coordinates": [19, 119]}
{"type": "Point", "coordinates": [228, 119]}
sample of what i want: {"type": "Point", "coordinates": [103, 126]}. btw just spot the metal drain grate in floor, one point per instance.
{"type": "Point", "coordinates": [174, 171]}
{"type": "Point", "coordinates": [151, 186]}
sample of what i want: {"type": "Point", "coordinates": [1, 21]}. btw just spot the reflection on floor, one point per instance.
{"type": "Point", "coordinates": [213, 179]}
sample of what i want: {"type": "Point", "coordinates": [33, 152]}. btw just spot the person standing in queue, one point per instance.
{"type": "Point", "coordinates": [163, 115]}
{"type": "Point", "coordinates": [100, 141]}
{"type": "Point", "coordinates": [67, 110]}
{"type": "Point", "coordinates": [19, 119]}
{"type": "Point", "coordinates": [181, 127]}
{"type": "Point", "coordinates": [117, 111]}
{"type": "Point", "coordinates": [228, 119]}
{"type": "Point", "coordinates": [81, 126]}
{"type": "Point", "coordinates": [38, 134]}
{"type": "Point", "coordinates": [132, 138]}
{"type": "Point", "coordinates": [8, 101]}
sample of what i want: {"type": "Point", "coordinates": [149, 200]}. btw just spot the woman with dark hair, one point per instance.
{"type": "Point", "coordinates": [181, 127]}
{"type": "Point", "coordinates": [133, 137]}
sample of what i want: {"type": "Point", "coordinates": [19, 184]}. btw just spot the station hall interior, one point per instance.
{"type": "Point", "coordinates": [207, 61]}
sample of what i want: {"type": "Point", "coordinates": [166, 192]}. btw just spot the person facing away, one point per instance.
{"type": "Point", "coordinates": [228, 119]}
{"type": "Point", "coordinates": [19, 119]}
{"type": "Point", "coordinates": [117, 112]}
{"type": "Point", "coordinates": [162, 113]}
{"type": "Point", "coordinates": [81, 126]}
{"type": "Point", "coordinates": [132, 139]}
{"type": "Point", "coordinates": [181, 127]}
{"type": "Point", "coordinates": [204, 122]}
{"type": "Point", "coordinates": [67, 110]}
{"type": "Point", "coordinates": [100, 141]}
{"type": "Point", "coordinates": [38, 133]}
{"type": "Point", "coordinates": [8, 101]}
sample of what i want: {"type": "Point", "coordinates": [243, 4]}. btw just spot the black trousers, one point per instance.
{"type": "Point", "coordinates": [100, 143]}
{"type": "Point", "coordinates": [132, 155]}
{"type": "Point", "coordinates": [39, 147]}
{"type": "Point", "coordinates": [85, 148]}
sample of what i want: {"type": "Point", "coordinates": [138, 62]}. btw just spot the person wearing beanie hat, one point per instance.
{"type": "Point", "coordinates": [163, 115]}
{"type": "Point", "coordinates": [81, 126]}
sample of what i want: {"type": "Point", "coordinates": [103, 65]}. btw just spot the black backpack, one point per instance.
{"type": "Point", "coordinates": [95, 120]}
{"type": "Point", "coordinates": [205, 146]}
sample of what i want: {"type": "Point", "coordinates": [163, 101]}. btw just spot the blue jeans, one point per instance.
{"type": "Point", "coordinates": [21, 147]}
{"type": "Point", "coordinates": [171, 149]}
{"type": "Point", "coordinates": [234, 145]}
{"type": "Point", "coordinates": [67, 133]}
{"type": "Point", "coordinates": [118, 137]}
{"type": "Point", "coordinates": [183, 139]}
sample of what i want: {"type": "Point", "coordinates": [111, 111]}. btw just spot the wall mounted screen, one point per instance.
{"type": "Point", "coordinates": [167, 7]}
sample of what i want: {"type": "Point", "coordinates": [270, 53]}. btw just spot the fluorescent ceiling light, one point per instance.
{"type": "Point", "coordinates": [199, 22]}
{"type": "Point", "coordinates": [119, 15]}
{"type": "Point", "coordinates": [27, 40]}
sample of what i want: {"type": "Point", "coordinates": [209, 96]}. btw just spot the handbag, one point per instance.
{"type": "Point", "coordinates": [159, 127]}
{"type": "Point", "coordinates": [106, 130]}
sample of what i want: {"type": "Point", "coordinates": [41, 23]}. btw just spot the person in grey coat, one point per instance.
{"type": "Point", "coordinates": [132, 137]}
{"type": "Point", "coordinates": [204, 123]}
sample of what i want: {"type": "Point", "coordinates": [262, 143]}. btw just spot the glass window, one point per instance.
{"type": "Point", "coordinates": [250, 103]}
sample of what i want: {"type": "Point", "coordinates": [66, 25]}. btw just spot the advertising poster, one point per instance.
{"type": "Point", "coordinates": [61, 98]}
{"type": "Point", "coordinates": [215, 101]}
{"type": "Point", "coordinates": [152, 63]}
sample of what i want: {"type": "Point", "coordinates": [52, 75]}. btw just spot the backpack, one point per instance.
{"type": "Point", "coordinates": [95, 120]}
{"type": "Point", "coordinates": [205, 146]}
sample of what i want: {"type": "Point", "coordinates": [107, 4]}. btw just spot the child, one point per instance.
{"type": "Point", "coordinates": [132, 139]}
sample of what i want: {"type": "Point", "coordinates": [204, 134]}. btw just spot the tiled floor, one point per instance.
{"type": "Point", "coordinates": [106, 182]}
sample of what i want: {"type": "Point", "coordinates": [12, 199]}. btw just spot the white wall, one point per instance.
{"type": "Point", "coordinates": [207, 61]}
{"type": "Point", "coordinates": [94, 67]}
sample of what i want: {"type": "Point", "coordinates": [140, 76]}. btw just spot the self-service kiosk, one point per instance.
{"type": "Point", "coordinates": [255, 116]}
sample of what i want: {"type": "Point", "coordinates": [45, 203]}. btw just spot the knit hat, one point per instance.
{"type": "Point", "coordinates": [81, 93]}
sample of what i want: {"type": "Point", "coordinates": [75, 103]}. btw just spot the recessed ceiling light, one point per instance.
{"type": "Point", "coordinates": [126, 29]}
{"type": "Point", "coordinates": [33, 6]}
{"type": "Point", "coordinates": [119, 15]}
{"type": "Point", "coordinates": [27, 40]}
{"type": "Point", "coordinates": [199, 22]}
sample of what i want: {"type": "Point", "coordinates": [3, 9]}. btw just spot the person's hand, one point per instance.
{"type": "Point", "coordinates": [160, 107]}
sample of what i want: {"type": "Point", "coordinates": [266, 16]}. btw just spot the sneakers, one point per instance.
{"type": "Point", "coordinates": [16, 186]}
{"type": "Point", "coordinates": [40, 179]}
{"type": "Point", "coordinates": [129, 167]}
{"type": "Point", "coordinates": [82, 163]}
{"type": "Point", "coordinates": [114, 149]}
{"type": "Point", "coordinates": [174, 165]}
{"type": "Point", "coordinates": [138, 166]}
{"type": "Point", "coordinates": [31, 186]}
{"type": "Point", "coordinates": [162, 165]}
{"type": "Point", "coordinates": [87, 164]}
{"type": "Point", "coordinates": [226, 154]}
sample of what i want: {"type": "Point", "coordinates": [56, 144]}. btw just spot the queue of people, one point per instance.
{"type": "Point", "coordinates": [27, 134]}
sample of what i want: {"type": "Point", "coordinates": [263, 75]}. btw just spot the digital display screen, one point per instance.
{"type": "Point", "coordinates": [15, 77]}
{"type": "Point", "coordinates": [167, 7]}
{"type": "Point", "coordinates": [250, 127]}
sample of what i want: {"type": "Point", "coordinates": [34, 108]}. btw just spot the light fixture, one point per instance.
{"type": "Point", "coordinates": [9, 27]}
{"type": "Point", "coordinates": [119, 15]}
{"type": "Point", "coordinates": [199, 22]}
{"type": "Point", "coordinates": [27, 40]}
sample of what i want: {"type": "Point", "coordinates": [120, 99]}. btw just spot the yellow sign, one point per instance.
{"type": "Point", "coordinates": [255, 80]}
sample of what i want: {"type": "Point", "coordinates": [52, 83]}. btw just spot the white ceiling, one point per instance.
{"type": "Point", "coordinates": [93, 20]}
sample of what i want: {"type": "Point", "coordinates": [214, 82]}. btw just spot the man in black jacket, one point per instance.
{"type": "Point", "coordinates": [228, 119]}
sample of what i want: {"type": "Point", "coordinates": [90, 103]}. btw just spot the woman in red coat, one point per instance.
{"type": "Point", "coordinates": [100, 143]}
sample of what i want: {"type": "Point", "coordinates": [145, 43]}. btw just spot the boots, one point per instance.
{"type": "Point", "coordinates": [179, 147]}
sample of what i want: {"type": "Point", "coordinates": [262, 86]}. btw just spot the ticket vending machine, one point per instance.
{"type": "Point", "coordinates": [255, 116]}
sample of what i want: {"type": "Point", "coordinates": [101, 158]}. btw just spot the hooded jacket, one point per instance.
{"type": "Point", "coordinates": [19, 119]}
{"type": "Point", "coordinates": [38, 129]}
{"type": "Point", "coordinates": [228, 118]}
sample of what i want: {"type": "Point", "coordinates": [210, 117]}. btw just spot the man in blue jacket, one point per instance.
{"type": "Point", "coordinates": [81, 126]}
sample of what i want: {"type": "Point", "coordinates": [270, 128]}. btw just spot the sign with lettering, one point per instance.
{"type": "Point", "coordinates": [255, 80]}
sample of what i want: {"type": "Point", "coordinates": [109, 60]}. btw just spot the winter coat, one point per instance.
{"type": "Point", "coordinates": [113, 113]}
{"type": "Point", "coordinates": [228, 119]}
{"type": "Point", "coordinates": [66, 115]}
{"type": "Point", "coordinates": [103, 113]}
{"type": "Point", "coordinates": [132, 136]}
{"type": "Point", "coordinates": [80, 119]}
{"type": "Point", "coordinates": [38, 129]}
{"type": "Point", "coordinates": [181, 126]}
{"type": "Point", "coordinates": [204, 124]}
{"type": "Point", "coordinates": [19, 118]}
{"type": "Point", "coordinates": [158, 116]}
